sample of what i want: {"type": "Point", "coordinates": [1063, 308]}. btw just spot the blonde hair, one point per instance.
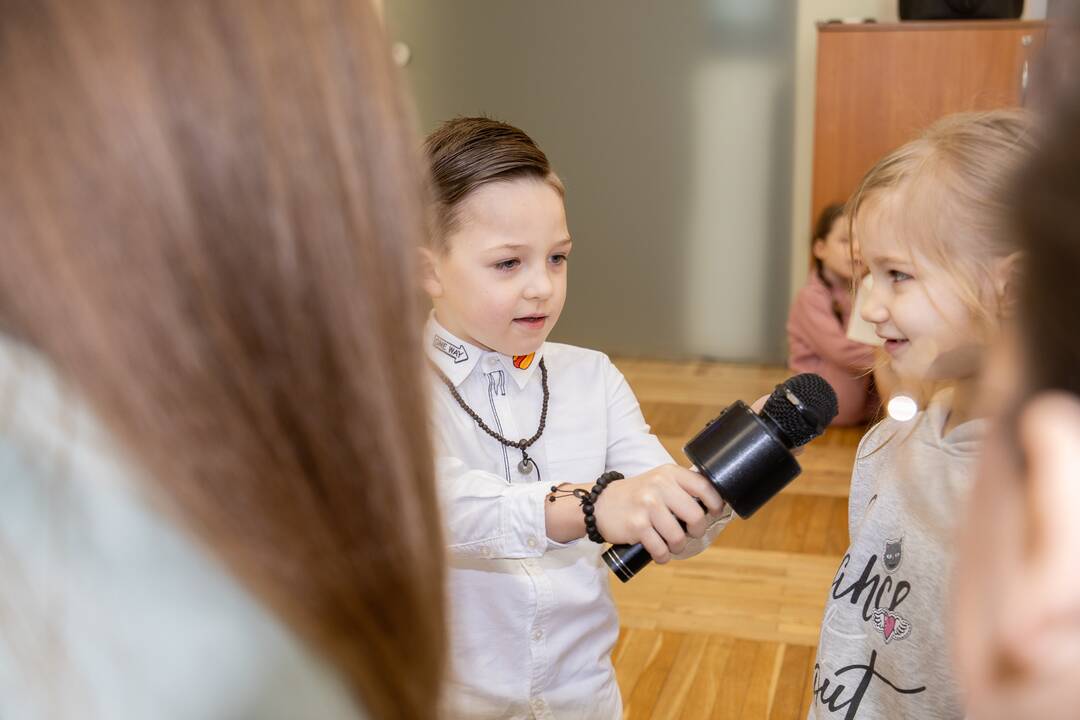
{"type": "Point", "coordinates": [953, 183]}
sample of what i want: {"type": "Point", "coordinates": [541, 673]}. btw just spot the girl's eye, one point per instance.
{"type": "Point", "coordinates": [897, 276]}
{"type": "Point", "coordinates": [558, 259]}
{"type": "Point", "coordinates": [507, 264]}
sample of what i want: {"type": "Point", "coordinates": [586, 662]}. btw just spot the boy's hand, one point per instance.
{"type": "Point", "coordinates": [646, 509]}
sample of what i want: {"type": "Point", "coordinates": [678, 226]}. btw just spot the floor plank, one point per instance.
{"type": "Point", "coordinates": [731, 633]}
{"type": "Point", "coordinates": [789, 696]}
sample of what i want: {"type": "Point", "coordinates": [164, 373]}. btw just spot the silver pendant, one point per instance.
{"type": "Point", "coordinates": [525, 466]}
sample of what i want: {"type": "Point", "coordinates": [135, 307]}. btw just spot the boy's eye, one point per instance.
{"type": "Point", "coordinates": [897, 276]}
{"type": "Point", "coordinates": [558, 258]}
{"type": "Point", "coordinates": [507, 264]}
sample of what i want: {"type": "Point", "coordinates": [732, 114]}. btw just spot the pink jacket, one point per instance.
{"type": "Point", "coordinates": [817, 343]}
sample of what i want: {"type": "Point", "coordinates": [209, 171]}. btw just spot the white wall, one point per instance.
{"type": "Point", "coordinates": [671, 126]}
{"type": "Point", "coordinates": [684, 134]}
{"type": "Point", "coordinates": [732, 200]}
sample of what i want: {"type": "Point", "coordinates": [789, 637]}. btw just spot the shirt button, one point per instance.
{"type": "Point", "coordinates": [536, 636]}
{"type": "Point", "coordinates": [532, 542]}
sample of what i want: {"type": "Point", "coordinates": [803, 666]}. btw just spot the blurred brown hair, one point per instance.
{"type": "Point", "coordinates": [1046, 196]}
{"type": "Point", "coordinates": [467, 153]}
{"type": "Point", "coordinates": [207, 215]}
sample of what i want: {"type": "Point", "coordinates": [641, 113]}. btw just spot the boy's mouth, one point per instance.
{"type": "Point", "coordinates": [532, 322]}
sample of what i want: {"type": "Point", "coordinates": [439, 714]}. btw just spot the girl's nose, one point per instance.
{"type": "Point", "coordinates": [874, 310]}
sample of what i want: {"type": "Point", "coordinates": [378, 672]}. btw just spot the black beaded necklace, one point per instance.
{"type": "Point", "coordinates": [526, 465]}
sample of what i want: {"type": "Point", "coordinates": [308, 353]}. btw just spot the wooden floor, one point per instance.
{"type": "Point", "coordinates": [731, 633]}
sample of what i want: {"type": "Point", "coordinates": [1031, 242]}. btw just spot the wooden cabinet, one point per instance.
{"type": "Point", "coordinates": [878, 85]}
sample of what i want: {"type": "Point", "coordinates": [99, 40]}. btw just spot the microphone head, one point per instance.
{"type": "Point", "coordinates": [801, 408]}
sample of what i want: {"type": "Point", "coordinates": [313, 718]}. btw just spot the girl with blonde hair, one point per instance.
{"type": "Point", "coordinates": [929, 221]}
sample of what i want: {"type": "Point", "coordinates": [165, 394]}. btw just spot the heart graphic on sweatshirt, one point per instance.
{"type": "Point", "coordinates": [890, 625]}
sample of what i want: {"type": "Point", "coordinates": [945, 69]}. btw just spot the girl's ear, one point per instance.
{"type": "Point", "coordinates": [818, 248]}
{"type": "Point", "coordinates": [429, 273]}
{"type": "Point", "coordinates": [1006, 276]}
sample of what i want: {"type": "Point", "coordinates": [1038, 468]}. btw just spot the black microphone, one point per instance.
{"type": "Point", "coordinates": [747, 457]}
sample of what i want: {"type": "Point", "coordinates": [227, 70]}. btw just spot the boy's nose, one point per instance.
{"type": "Point", "coordinates": [539, 287]}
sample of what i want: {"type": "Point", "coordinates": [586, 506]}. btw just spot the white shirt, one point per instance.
{"type": "Point", "coordinates": [107, 608]}
{"type": "Point", "coordinates": [532, 621]}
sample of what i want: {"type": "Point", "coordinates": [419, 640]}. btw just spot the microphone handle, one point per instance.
{"type": "Point", "coordinates": [627, 560]}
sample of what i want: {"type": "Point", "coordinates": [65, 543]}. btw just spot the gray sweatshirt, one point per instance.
{"type": "Point", "coordinates": [884, 651]}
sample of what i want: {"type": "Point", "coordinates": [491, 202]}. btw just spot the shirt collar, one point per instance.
{"type": "Point", "coordinates": [456, 358]}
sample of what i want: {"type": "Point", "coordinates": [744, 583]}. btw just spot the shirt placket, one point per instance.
{"type": "Point", "coordinates": [496, 398]}
{"type": "Point", "coordinates": [505, 421]}
{"type": "Point", "coordinates": [505, 424]}
{"type": "Point", "coordinates": [540, 667]}
{"type": "Point", "coordinates": [502, 407]}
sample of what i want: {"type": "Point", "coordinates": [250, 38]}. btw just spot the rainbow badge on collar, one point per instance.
{"type": "Point", "coordinates": [522, 362]}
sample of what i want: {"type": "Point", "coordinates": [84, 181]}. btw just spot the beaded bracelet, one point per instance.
{"type": "Point", "coordinates": [588, 502]}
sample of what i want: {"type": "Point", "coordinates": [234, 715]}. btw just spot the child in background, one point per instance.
{"type": "Point", "coordinates": [928, 220]}
{"type": "Point", "coordinates": [520, 424]}
{"type": "Point", "coordinates": [817, 323]}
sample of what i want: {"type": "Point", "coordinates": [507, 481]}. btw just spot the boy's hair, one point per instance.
{"type": "Point", "coordinates": [953, 180]}
{"type": "Point", "coordinates": [467, 153]}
